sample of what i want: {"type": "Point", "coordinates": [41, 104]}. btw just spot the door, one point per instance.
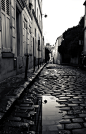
{"type": "Point", "coordinates": [18, 31]}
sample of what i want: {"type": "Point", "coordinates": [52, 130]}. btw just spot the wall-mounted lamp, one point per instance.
{"type": "Point", "coordinates": [45, 15]}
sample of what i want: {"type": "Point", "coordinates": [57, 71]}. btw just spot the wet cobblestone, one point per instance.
{"type": "Point", "coordinates": [68, 85]}
{"type": "Point", "coordinates": [70, 92]}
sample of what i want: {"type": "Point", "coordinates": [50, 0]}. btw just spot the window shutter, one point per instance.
{"type": "Point", "coordinates": [3, 5]}
{"type": "Point", "coordinates": [7, 7]}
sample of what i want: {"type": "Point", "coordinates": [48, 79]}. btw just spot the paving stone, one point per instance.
{"type": "Point", "coordinates": [70, 95]}
{"type": "Point", "coordinates": [84, 124]}
{"type": "Point", "coordinates": [32, 113]}
{"type": "Point", "coordinates": [68, 116]}
{"type": "Point", "coordinates": [56, 91]}
{"type": "Point", "coordinates": [76, 93]}
{"type": "Point", "coordinates": [70, 112]}
{"type": "Point", "coordinates": [72, 126]}
{"type": "Point", "coordinates": [56, 94]}
{"type": "Point", "coordinates": [72, 99]}
{"type": "Point", "coordinates": [79, 131]}
{"type": "Point", "coordinates": [27, 108]}
{"type": "Point", "coordinates": [64, 132]}
{"type": "Point", "coordinates": [25, 105]}
{"type": "Point", "coordinates": [18, 124]}
{"type": "Point", "coordinates": [63, 98]}
{"type": "Point", "coordinates": [76, 102]}
{"type": "Point", "coordinates": [60, 105]}
{"type": "Point", "coordinates": [66, 93]}
{"type": "Point", "coordinates": [61, 95]}
{"type": "Point", "coordinates": [83, 105]}
{"type": "Point", "coordinates": [14, 118]}
{"type": "Point", "coordinates": [83, 111]}
{"type": "Point", "coordinates": [20, 110]}
{"type": "Point", "coordinates": [77, 97]}
{"type": "Point", "coordinates": [82, 115]}
{"type": "Point", "coordinates": [77, 108]}
{"type": "Point", "coordinates": [77, 120]}
{"type": "Point", "coordinates": [82, 100]}
{"type": "Point", "coordinates": [65, 108]}
{"type": "Point", "coordinates": [31, 132]}
{"type": "Point", "coordinates": [65, 121]}
{"type": "Point", "coordinates": [85, 118]}
{"type": "Point", "coordinates": [28, 101]}
{"type": "Point", "coordinates": [24, 115]}
{"type": "Point", "coordinates": [35, 106]}
{"type": "Point", "coordinates": [84, 93]}
{"type": "Point", "coordinates": [72, 105]}
{"type": "Point", "coordinates": [1, 115]}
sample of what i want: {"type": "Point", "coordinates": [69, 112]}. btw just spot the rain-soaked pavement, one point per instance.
{"type": "Point", "coordinates": [54, 104]}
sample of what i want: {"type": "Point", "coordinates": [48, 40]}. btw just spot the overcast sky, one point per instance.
{"type": "Point", "coordinates": [62, 14]}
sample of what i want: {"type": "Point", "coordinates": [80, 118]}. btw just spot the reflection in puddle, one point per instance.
{"type": "Point", "coordinates": [51, 115]}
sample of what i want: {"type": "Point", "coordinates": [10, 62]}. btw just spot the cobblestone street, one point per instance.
{"type": "Point", "coordinates": [68, 85]}
{"type": "Point", "coordinates": [60, 93]}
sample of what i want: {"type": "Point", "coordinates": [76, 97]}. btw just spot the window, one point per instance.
{"type": "Point", "coordinates": [5, 14]}
{"type": "Point", "coordinates": [35, 6]}
{"type": "Point", "coordinates": [5, 6]}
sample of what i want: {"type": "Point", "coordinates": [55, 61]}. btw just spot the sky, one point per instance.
{"type": "Point", "coordinates": [61, 15]}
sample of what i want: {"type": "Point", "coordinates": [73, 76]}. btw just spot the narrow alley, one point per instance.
{"type": "Point", "coordinates": [54, 104]}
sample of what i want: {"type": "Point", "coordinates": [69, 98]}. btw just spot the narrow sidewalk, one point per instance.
{"type": "Point", "coordinates": [12, 88]}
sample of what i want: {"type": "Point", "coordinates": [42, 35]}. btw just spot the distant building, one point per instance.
{"type": "Point", "coordinates": [43, 51]}
{"type": "Point", "coordinates": [48, 45]}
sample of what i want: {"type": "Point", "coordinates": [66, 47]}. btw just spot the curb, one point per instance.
{"type": "Point", "coordinates": [9, 101]}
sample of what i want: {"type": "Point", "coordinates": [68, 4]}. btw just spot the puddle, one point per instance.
{"type": "Point", "coordinates": [51, 115]}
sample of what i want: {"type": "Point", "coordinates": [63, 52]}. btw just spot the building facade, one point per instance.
{"type": "Point", "coordinates": [37, 31]}
{"type": "Point", "coordinates": [20, 35]}
{"type": "Point", "coordinates": [57, 56]}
